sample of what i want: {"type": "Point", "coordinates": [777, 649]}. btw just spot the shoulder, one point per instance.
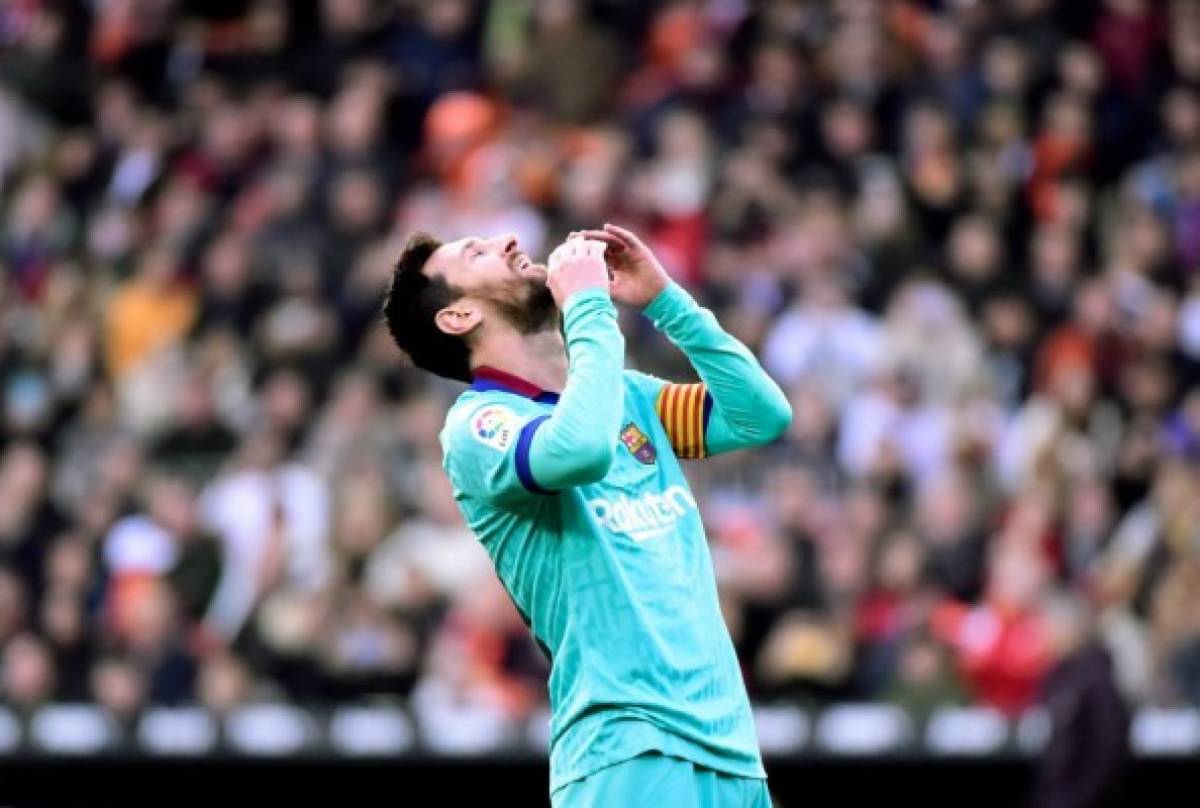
{"type": "Point", "coordinates": [486, 418]}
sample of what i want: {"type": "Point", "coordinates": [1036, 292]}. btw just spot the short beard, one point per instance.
{"type": "Point", "coordinates": [531, 310]}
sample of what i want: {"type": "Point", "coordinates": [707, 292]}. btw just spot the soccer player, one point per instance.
{"type": "Point", "coordinates": [567, 468]}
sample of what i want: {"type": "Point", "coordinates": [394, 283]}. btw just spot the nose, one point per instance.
{"type": "Point", "coordinates": [508, 244]}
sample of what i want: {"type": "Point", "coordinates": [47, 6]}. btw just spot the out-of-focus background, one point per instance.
{"type": "Point", "coordinates": [963, 235]}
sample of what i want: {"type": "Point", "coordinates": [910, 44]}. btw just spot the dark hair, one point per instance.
{"type": "Point", "coordinates": [412, 302]}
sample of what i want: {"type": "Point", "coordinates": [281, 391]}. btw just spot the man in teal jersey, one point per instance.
{"type": "Point", "coordinates": [567, 468]}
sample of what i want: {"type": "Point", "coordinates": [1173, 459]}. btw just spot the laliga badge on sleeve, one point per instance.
{"type": "Point", "coordinates": [495, 427]}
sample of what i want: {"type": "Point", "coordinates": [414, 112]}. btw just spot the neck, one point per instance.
{"type": "Point", "coordinates": [540, 359]}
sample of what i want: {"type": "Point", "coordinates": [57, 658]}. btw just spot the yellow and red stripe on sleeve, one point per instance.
{"type": "Point", "coordinates": [683, 410]}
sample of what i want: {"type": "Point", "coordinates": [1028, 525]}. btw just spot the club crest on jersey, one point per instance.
{"type": "Point", "coordinates": [638, 444]}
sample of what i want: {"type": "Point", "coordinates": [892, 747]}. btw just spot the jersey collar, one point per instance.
{"type": "Point", "coordinates": [489, 378]}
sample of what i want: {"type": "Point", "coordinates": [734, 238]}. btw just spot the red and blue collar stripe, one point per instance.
{"type": "Point", "coordinates": [489, 378]}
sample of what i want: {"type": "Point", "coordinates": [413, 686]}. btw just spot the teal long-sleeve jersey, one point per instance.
{"type": "Point", "coordinates": [581, 503]}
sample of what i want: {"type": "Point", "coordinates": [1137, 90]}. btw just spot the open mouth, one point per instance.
{"type": "Point", "coordinates": [521, 262]}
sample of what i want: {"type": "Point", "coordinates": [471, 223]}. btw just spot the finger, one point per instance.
{"type": "Point", "coordinates": [612, 241]}
{"type": "Point", "coordinates": [595, 249]}
{"type": "Point", "coordinates": [556, 257]}
{"type": "Point", "coordinates": [624, 235]}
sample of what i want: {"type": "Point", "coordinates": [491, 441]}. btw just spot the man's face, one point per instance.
{"type": "Point", "coordinates": [495, 276]}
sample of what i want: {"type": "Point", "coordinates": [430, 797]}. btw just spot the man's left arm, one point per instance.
{"type": "Point", "coordinates": [736, 405]}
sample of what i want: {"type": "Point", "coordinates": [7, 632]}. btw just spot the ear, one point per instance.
{"type": "Point", "coordinates": [459, 318]}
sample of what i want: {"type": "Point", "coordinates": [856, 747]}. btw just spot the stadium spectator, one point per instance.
{"type": "Point", "coordinates": [1088, 751]}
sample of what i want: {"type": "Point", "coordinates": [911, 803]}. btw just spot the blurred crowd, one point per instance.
{"type": "Point", "coordinates": [963, 235]}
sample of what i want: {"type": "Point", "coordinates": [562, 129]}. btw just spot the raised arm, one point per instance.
{"type": "Point", "coordinates": [575, 444]}
{"type": "Point", "coordinates": [507, 452]}
{"type": "Point", "coordinates": [738, 404]}
{"type": "Point", "coordinates": [744, 406]}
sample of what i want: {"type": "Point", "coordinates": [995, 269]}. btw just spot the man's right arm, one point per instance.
{"type": "Point", "coordinates": [575, 444]}
{"type": "Point", "coordinates": [494, 454]}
